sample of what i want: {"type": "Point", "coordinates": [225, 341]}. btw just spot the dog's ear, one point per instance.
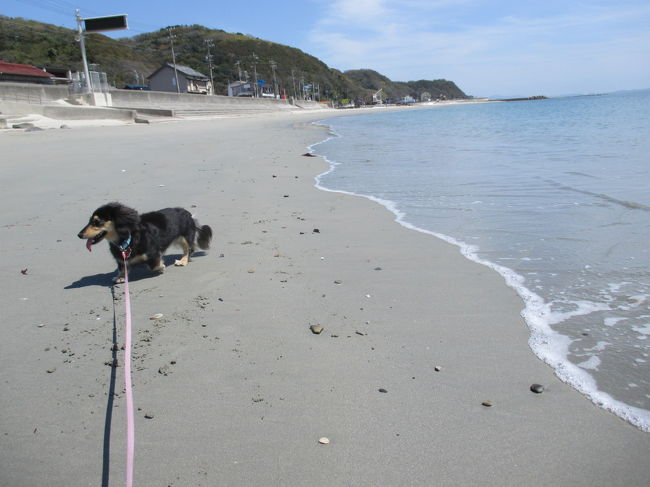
{"type": "Point", "coordinates": [126, 216]}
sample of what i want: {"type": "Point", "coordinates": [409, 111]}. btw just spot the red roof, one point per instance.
{"type": "Point", "coordinates": [23, 70]}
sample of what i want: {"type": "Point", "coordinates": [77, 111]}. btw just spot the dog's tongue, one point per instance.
{"type": "Point", "coordinates": [89, 244]}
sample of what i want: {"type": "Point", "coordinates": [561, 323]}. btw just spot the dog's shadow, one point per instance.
{"type": "Point", "coordinates": [136, 273]}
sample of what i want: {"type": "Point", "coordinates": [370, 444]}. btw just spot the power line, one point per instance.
{"type": "Point", "coordinates": [66, 10]}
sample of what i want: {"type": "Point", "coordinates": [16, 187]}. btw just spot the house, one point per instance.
{"type": "Point", "coordinates": [24, 73]}
{"type": "Point", "coordinates": [241, 88]}
{"type": "Point", "coordinates": [189, 80]}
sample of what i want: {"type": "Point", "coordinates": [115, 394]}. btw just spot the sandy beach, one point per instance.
{"type": "Point", "coordinates": [420, 377]}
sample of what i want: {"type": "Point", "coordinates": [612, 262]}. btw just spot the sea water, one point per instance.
{"type": "Point", "coordinates": [553, 194]}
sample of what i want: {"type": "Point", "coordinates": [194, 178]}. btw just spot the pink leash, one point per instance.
{"type": "Point", "coordinates": [130, 429]}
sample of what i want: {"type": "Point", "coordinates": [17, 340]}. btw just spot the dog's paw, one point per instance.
{"type": "Point", "coordinates": [180, 262]}
{"type": "Point", "coordinates": [118, 280]}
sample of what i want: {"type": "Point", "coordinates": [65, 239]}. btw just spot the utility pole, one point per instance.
{"type": "Point", "coordinates": [209, 43]}
{"type": "Point", "coordinates": [238, 64]}
{"type": "Point", "coordinates": [275, 81]}
{"type": "Point", "coordinates": [255, 58]}
{"type": "Point", "coordinates": [293, 83]}
{"type": "Point", "coordinates": [80, 35]}
{"type": "Point", "coordinates": [171, 39]}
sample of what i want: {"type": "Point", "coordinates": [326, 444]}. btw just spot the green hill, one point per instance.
{"type": "Point", "coordinates": [436, 89]}
{"type": "Point", "coordinates": [129, 60]}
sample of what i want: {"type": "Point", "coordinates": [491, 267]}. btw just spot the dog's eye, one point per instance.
{"type": "Point", "coordinates": [96, 223]}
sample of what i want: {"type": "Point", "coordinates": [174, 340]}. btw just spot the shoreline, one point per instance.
{"type": "Point", "coordinates": [251, 389]}
{"type": "Point", "coordinates": [544, 342]}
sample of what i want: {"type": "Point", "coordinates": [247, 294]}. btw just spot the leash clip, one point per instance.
{"type": "Point", "coordinates": [125, 247]}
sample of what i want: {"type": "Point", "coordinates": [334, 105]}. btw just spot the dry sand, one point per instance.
{"type": "Point", "coordinates": [237, 387]}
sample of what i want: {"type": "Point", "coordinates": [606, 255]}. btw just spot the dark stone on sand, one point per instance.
{"type": "Point", "coordinates": [487, 404]}
{"type": "Point", "coordinates": [537, 388]}
{"type": "Point", "coordinates": [316, 230]}
{"type": "Point", "coordinates": [307, 154]}
{"type": "Point", "coordinates": [51, 371]}
{"type": "Point", "coordinates": [382, 390]}
{"type": "Point", "coordinates": [149, 415]}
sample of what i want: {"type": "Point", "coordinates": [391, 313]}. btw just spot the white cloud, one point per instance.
{"type": "Point", "coordinates": [486, 52]}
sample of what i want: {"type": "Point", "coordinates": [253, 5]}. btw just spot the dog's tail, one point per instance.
{"type": "Point", "coordinates": [204, 236]}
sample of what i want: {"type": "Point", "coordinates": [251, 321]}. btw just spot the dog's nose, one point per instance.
{"type": "Point", "coordinates": [80, 234]}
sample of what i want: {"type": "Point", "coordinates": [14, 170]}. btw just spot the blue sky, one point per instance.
{"type": "Point", "coordinates": [523, 47]}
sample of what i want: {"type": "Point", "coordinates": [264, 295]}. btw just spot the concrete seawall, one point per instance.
{"type": "Point", "coordinates": [56, 101]}
{"type": "Point", "coordinates": [32, 93]}
{"type": "Point", "coordinates": [163, 100]}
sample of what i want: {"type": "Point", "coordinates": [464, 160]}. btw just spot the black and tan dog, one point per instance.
{"type": "Point", "coordinates": [144, 237]}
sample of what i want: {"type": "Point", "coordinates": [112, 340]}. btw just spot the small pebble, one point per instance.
{"type": "Point", "coordinates": [487, 404]}
{"type": "Point", "coordinates": [316, 329]}
{"type": "Point", "coordinates": [157, 316]}
{"type": "Point", "coordinates": [324, 441]}
{"type": "Point", "coordinates": [437, 368]}
{"type": "Point", "coordinates": [537, 388]}
{"type": "Point", "coordinates": [338, 282]}
{"type": "Point", "coordinates": [50, 371]}
{"type": "Point", "coordinates": [383, 390]}
{"type": "Point", "coordinates": [149, 415]}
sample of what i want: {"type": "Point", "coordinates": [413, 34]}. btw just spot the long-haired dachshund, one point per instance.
{"type": "Point", "coordinates": [144, 237]}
